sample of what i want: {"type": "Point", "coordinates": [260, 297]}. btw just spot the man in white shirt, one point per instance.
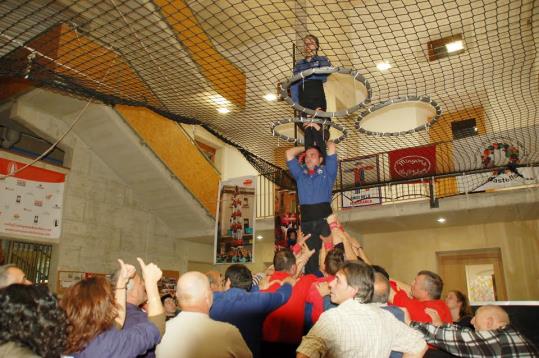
{"type": "Point", "coordinates": [192, 333]}
{"type": "Point", "coordinates": [355, 328]}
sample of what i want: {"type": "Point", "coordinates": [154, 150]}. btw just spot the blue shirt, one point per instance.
{"type": "Point", "coordinates": [128, 342]}
{"type": "Point", "coordinates": [302, 65]}
{"type": "Point", "coordinates": [314, 188]}
{"type": "Point", "coordinates": [399, 314]}
{"type": "Point", "coordinates": [247, 311]}
{"type": "Point", "coordinates": [133, 316]}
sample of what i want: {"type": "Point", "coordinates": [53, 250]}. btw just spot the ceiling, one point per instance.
{"type": "Point", "coordinates": [183, 55]}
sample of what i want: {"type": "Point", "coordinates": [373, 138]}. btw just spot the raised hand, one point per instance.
{"type": "Point", "coordinates": [436, 320]}
{"type": "Point", "coordinates": [127, 271]}
{"type": "Point", "coordinates": [150, 272]}
{"type": "Point", "coordinates": [323, 288]}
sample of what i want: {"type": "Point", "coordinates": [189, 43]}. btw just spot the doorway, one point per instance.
{"type": "Point", "coordinates": [477, 273]}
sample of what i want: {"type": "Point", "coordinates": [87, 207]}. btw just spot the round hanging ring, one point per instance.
{"type": "Point", "coordinates": [326, 70]}
{"type": "Point", "coordinates": [302, 120]}
{"type": "Point", "coordinates": [394, 101]}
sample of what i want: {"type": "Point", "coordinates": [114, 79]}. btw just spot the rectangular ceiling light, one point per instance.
{"type": "Point", "coordinates": [445, 47]}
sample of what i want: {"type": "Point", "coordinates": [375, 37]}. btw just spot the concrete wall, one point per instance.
{"type": "Point", "coordinates": [404, 253]}
{"type": "Point", "coordinates": [102, 221]}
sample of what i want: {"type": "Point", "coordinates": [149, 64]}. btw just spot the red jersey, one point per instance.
{"type": "Point", "coordinates": [286, 323]}
{"type": "Point", "coordinates": [416, 308]}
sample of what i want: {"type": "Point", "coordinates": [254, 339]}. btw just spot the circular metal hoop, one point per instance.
{"type": "Point", "coordinates": [324, 122]}
{"type": "Point", "coordinates": [383, 104]}
{"type": "Point", "coordinates": [326, 70]}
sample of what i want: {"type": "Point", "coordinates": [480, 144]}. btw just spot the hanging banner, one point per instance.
{"type": "Point", "coordinates": [234, 231]}
{"type": "Point", "coordinates": [30, 201]}
{"type": "Point", "coordinates": [416, 162]}
{"type": "Point", "coordinates": [360, 171]}
{"type": "Point", "coordinates": [498, 179]}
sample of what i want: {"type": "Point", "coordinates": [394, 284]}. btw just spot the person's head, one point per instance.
{"type": "Point", "coordinates": [169, 304]}
{"type": "Point", "coordinates": [489, 318]}
{"type": "Point", "coordinates": [216, 280]}
{"type": "Point", "coordinates": [292, 235]}
{"type": "Point", "coordinates": [354, 280]}
{"type": "Point", "coordinates": [91, 309]}
{"type": "Point", "coordinates": [10, 274]}
{"type": "Point", "coordinates": [381, 270]}
{"type": "Point", "coordinates": [458, 301]}
{"type": "Point", "coordinates": [427, 286]}
{"type": "Point", "coordinates": [194, 293]}
{"type": "Point", "coordinates": [334, 261]}
{"type": "Point", "coordinates": [313, 158]}
{"type": "Point", "coordinates": [310, 45]}
{"type": "Point", "coordinates": [285, 261]}
{"type": "Point", "coordinates": [32, 317]}
{"type": "Point", "coordinates": [136, 291]}
{"type": "Point", "coordinates": [381, 288]}
{"type": "Point", "coordinates": [135, 288]}
{"type": "Point", "coordinates": [238, 276]}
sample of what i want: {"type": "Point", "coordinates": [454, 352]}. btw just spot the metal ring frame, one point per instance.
{"type": "Point", "coordinates": [326, 70]}
{"type": "Point", "coordinates": [383, 104]}
{"type": "Point", "coordinates": [324, 122]}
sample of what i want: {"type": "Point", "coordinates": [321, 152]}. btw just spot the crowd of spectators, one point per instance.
{"type": "Point", "coordinates": [350, 309]}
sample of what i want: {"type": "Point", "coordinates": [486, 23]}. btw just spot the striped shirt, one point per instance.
{"type": "Point", "coordinates": [467, 342]}
{"type": "Point", "coordinates": [354, 330]}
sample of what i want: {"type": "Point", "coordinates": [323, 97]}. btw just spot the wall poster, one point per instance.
{"type": "Point", "coordinates": [235, 221]}
{"type": "Point", "coordinates": [30, 201]}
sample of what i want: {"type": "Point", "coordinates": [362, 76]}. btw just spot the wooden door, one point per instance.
{"type": "Point", "coordinates": [452, 269]}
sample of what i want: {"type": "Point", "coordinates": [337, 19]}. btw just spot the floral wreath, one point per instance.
{"type": "Point", "coordinates": [511, 152]}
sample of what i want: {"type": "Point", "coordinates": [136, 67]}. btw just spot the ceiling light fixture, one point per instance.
{"type": "Point", "coordinates": [259, 237]}
{"type": "Point", "coordinates": [219, 100]}
{"type": "Point", "coordinates": [383, 66]}
{"type": "Point", "coordinates": [454, 46]}
{"type": "Point", "coordinates": [223, 110]}
{"type": "Point", "coordinates": [445, 47]}
{"type": "Point", "coordinates": [270, 97]}
{"type": "Point", "coordinates": [441, 220]}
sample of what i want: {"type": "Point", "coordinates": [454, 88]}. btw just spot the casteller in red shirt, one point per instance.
{"type": "Point", "coordinates": [285, 324]}
{"type": "Point", "coordinates": [422, 298]}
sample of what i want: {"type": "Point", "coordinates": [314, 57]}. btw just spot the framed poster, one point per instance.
{"type": "Point", "coordinates": [357, 172]}
{"type": "Point", "coordinates": [30, 201]}
{"type": "Point", "coordinates": [235, 221]}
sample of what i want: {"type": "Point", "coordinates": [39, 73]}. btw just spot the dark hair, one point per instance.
{"type": "Point", "coordinates": [334, 260]}
{"type": "Point", "coordinates": [381, 270]}
{"type": "Point", "coordinates": [31, 317]}
{"type": "Point", "coordinates": [433, 284]}
{"type": "Point", "coordinates": [165, 296]}
{"type": "Point", "coordinates": [314, 38]}
{"type": "Point", "coordinates": [240, 276]}
{"type": "Point", "coordinates": [91, 309]}
{"type": "Point", "coordinates": [284, 260]}
{"type": "Point", "coordinates": [465, 308]}
{"type": "Point", "coordinates": [360, 276]}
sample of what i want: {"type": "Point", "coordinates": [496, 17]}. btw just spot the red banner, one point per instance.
{"type": "Point", "coordinates": [417, 162]}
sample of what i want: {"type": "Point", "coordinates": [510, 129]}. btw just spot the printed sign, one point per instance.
{"type": "Point", "coordinates": [417, 162]}
{"type": "Point", "coordinates": [30, 201]}
{"type": "Point", "coordinates": [360, 171]}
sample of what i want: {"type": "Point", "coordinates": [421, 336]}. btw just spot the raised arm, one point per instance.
{"type": "Point", "coordinates": [294, 152]}
{"type": "Point", "coordinates": [126, 272]}
{"type": "Point", "coordinates": [331, 148]}
{"type": "Point", "coordinates": [152, 274]}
